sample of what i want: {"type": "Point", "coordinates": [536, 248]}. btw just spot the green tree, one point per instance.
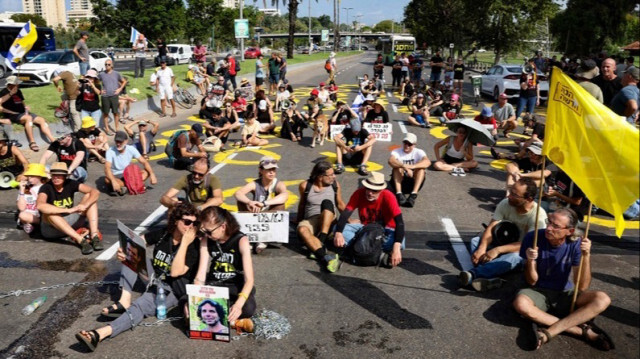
{"type": "Point", "coordinates": [202, 14]}
{"type": "Point", "coordinates": [292, 7]}
{"type": "Point", "coordinates": [384, 26]}
{"type": "Point", "coordinates": [325, 21]}
{"type": "Point", "coordinates": [449, 17]}
{"type": "Point", "coordinates": [35, 19]}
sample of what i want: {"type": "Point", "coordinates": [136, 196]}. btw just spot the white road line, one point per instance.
{"type": "Point", "coordinates": [403, 128]}
{"type": "Point", "coordinates": [395, 108]}
{"type": "Point", "coordinates": [154, 216]}
{"type": "Point", "coordinates": [389, 94]}
{"type": "Point", "coordinates": [458, 245]}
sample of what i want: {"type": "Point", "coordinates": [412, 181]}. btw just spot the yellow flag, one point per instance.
{"type": "Point", "coordinates": [598, 149]}
{"type": "Point", "coordinates": [22, 44]}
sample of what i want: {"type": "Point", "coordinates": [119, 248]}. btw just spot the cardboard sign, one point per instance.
{"type": "Point", "coordinates": [265, 227]}
{"type": "Point", "coordinates": [335, 129]}
{"type": "Point", "coordinates": [382, 131]}
{"type": "Point", "coordinates": [208, 313]}
{"type": "Point", "coordinates": [135, 249]}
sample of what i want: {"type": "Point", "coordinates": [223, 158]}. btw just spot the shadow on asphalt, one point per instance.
{"type": "Point", "coordinates": [374, 300]}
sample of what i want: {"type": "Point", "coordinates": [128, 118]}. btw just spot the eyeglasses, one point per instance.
{"type": "Point", "coordinates": [553, 225]}
{"type": "Point", "coordinates": [208, 233]}
{"type": "Point", "coordinates": [198, 174]}
{"type": "Point", "coordinates": [108, 64]}
{"type": "Point", "coordinates": [513, 195]}
{"type": "Point", "coordinates": [372, 190]}
{"type": "Point", "coordinates": [407, 143]}
{"type": "Point", "coordinates": [268, 162]}
{"type": "Point", "coordinates": [62, 138]}
{"type": "Point", "coordinates": [189, 222]}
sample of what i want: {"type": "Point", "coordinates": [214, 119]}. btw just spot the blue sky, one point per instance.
{"type": "Point", "coordinates": [373, 11]}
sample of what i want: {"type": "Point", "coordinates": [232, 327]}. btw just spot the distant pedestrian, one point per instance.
{"type": "Point", "coordinates": [259, 72]}
{"type": "Point", "coordinates": [82, 51]}
{"type": "Point", "coordinates": [162, 50]}
{"type": "Point", "coordinates": [334, 67]}
{"type": "Point", "coordinates": [283, 67]}
{"type": "Point", "coordinates": [139, 48]}
{"type": "Point", "coordinates": [232, 70]}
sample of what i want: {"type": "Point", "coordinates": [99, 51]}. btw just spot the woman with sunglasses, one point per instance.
{"type": "Point", "coordinates": [174, 262]}
{"type": "Point", "coordinates": [231, 265]}
{"type": "Point", "coordinates": [458, 154]}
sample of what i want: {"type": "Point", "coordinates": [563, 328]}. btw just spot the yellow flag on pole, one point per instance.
{"type": "Point", "coordinates": [598, 149]}
{"type": "Point", "coordinates": [21, 45]}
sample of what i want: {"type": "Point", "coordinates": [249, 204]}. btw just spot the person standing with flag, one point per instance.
{"type": "Point", "coordinates": [139, 47]}
{"type": "Point", "coordinates": [82, 51]}
{"type": "Point", "coordinates": [21, 45]}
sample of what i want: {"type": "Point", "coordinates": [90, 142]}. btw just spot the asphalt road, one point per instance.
{"type": "Point", "coordinates": [416, 310]}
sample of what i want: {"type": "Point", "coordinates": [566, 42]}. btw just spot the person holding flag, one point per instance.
{"type": "Point", "coordinates": [139, 48]}
{"type": "Point", "coordinates": [21, 45]}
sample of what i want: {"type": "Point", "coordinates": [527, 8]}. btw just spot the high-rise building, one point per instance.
{"type": "Point", "coordinates": [232, 4]}
{"type": "Point", "coordinates": [80, 9]}
{"type": "Point", "coordinates": [53, 11]}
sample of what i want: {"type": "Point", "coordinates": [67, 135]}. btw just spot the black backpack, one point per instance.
{"type": "Point", "coordinates": [366, 248]}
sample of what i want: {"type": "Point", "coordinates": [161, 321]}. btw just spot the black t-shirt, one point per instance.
{"type": "Point", "coordinates": [226, 261]}
{"type": "Point", "coordinates": [409, 89]}
{"type": "Point", "coordinates": [378, 67]}
{"type": "Point", "coordinates": [219, 123]}
{"type": "Point", "coordinates": [14, 103]}
{"type": "Point", "coordinates": [164, 251]}
{"type": "Point", "coordinates": [64, 198]}
{"type": "Point", "coordinates": [609, 88]}
{"type": "Point", "coordinates": [343, 118]}
{"type": "Point", "coordinates": [373, 117]}
{"type": "Point", "coordinates": [397, 65]}
{"type": "Point", "coordinates": [356, 140]}
{"type": "Point", "coordinates": [162, 50]}
{"type": "Point", "coordinates": [263, 116]}
{"type": "Point", "coordinates": [532, 86]}
{"type": "Point", "coordinates": [567, 187]}
{"type": "Point", "coordinates": [538, 129]}
{"type": "Point", "coordinates": [451, 111]}
{"type": "Point", "coordinates": [458, 71]}
{"type": "Point", "coordinates": [67, 154]}
{"type": "Point", "coordinates": [211, 69]}
{"type": "Point", "coordinates": [90, 100]}
{"type": "Point", "coordinates": [91, 135]}
{"type": "Point", "coordinates": [436, 69]}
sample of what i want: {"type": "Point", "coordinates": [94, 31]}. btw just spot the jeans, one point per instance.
{"type": "Point", "coordinates": [96, 115]}
{"type": "Point", "coordinates": [502, 264]}
{"type": "Point", "coordinates": [84, 67]}
{"type": "Point", "coordinates": [434, 77]}
{"type": "Point", "coordinates": [528, 102]}
{"type": "Point", "coordinates": [351, 229]}
{"type": "Point", "coordinates": [139, 68]}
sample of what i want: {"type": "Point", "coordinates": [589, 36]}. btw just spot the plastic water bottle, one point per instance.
{"type": "Point", "coordinates": [34, 305]}
{"type": "Point", "coordinates": [161, 305]}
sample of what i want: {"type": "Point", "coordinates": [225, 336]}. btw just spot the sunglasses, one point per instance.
{"type": "Point", "coordinates": [197, 174]}
{"type": "Point", "coordinates": [268, 162]}
{"type": "Point", "coordinates": [108, 64]}
{"type": "Point", "coordinates": [209, 232]}
{"type": "Point", "coordinates": [407, 143]}
{"type": "Point", "coordinates": [62, 138]}
{"type": "Point", "coordinates": [189, 222]}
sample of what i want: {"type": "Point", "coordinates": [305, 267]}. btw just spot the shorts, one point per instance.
{"type": "Point", "coordinates": [274, 78]}
{"type": "Point", "coordinates": [75, 220]}
{"type": "Point", "coordinates": [259, 81]}
{"type": "Point", "coordinates": [435, 76]}
{"type": "Point", "coordinates": [451, 160]}
{"type": "Point", "coordinates": [353, 159]}
{"type": "Point", "coordinates": [419, 118]}
{"type": "Point", "coordinates": [264, 125]}
{"type": "Point", "coordinates": [198, 80]}
{"type": "Point", "coordinates": [110, 104]}
{"type": "Point", "coordinates": [166, 93]}
{"type": "Point", "coordinates": [548, 299]}
{"type": "Point", "coordinates": [312, 223]}
{"type": "Point", "coordinates": [16, 118]}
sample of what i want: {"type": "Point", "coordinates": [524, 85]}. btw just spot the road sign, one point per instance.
{"type": "Point", "coordinates": [325, 35]}
{"type": "Point", "coordinates": [451, 45]}
{"type": "Point", "coordinates": [241, 28]}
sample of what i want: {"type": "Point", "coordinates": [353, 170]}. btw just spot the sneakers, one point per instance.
{"type": "Point", "coordinates": [454, 172]}
{"type": "Point", "coordinates": [243, 325]}
{"type": "Point", "coordinates": [339, 168]}
{"type": "Point", "coordinates": [85, 245]}
{"type": "Point", "coordinates": [362, 170]}
{"type": "Point", "coordinates": [401, 199]}
{"type": "Point", "coordinates": [333, 263]}
{"type": "Point", "coordinates": [465, 278]}
{"type": "Point", "coordinates": [96, 243]}
{"type": "Point", "coordinates": [494, 153]}
{"type": "Point", "coordinates": [28, 228]}
{"type": "Point", "coordinates": [259, 247]}
{"type": "Point", "coordinates": [411, 201]}
{"type": "Point", "coordinates": [486, 284]}
{"type": "Point", "coordinates": [461, 172]}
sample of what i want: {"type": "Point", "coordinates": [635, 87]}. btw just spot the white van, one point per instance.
{"type": "Point", "coordinates": [179, 54]}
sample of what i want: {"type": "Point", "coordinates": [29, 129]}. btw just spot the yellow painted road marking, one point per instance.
{"type": "Point", "coordinates": [371, 166]}
{"type": "Point", "coordinates": [221, 157]}
{"type": "Point", "coordinates": [233, 207]}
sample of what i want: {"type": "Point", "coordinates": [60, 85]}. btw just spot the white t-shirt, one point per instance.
{"type": "Point", "coordinates": [164, 77]}
{"type": "Point", "coordinates": [30, 200]}
{"type": "Point", "coordinates": [411, 158]}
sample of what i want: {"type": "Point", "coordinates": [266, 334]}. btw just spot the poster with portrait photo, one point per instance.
{"type": "Point", "coordinates": [135, 250]}
{"type": "Point", "coordinates": [208, 313]}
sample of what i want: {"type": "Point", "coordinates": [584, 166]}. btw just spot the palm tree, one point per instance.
{"type": "Point", "coordinates": [292, 7]}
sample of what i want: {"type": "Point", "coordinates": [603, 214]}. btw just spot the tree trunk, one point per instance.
{"type": "Point", "coordinates": [293, 12]}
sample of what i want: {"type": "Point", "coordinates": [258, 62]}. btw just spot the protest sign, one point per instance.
{"type": "Point", "coordinates": [208, 313]}
{"type": "Point", "coordinates": [265, 226]}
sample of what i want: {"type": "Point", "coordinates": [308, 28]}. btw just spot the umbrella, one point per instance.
{"type": "Point", "coordinates": [477, 134]}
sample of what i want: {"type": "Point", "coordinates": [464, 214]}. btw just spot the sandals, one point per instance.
{"type": "Point", "coordinates": [102, 160]}
{"type": "Point", "coordinates": [603, 342]}
{"type": "Point", "coordinates": [540, 335]}
{"type": "Point", "coordinates": [114, 312]}
{"type": "Point", "coordinates": [34, 147]}
{"type": "Point", "coordinates": [92, 342]}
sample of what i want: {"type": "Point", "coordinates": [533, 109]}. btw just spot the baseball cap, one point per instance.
{"type": "Point", "coordinates": [535, 148]}
{"type": "Point", "coordinates": [588, 69]}
{"type": "Point", "coordinates": [411, 138]}
{"type": "Point", "coordinates": [486, 112]}
{"type": "Point", "coordinates": [315, 92]}
{"type": "Point", "coordinates": [322, 84]}
{"type": "Point", "coordinates": [455, 97]}
{"type": "Point", "coordinates": [634, 72]}
{"type": "Point", "coordinates": [121, 136]}
{"type": "Point", "coordinates": [355, 125]}
{"type": "Point", "coordinates": [268, 162]}
{"type": "Point", "coordinates": [197, 128]}
{"type": "Point", "coordinates": [142, 123]}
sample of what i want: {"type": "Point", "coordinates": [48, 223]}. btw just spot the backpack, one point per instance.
{"type": "Point", "coordinates": [133, 179]}
{"type": "Point", "coordinates": [168, 149]}
{"type": "Point", "coordinates": [327, 65]}
{"type": "Point", "coordinates": [237, 67]}
{"type": "Point", "coordinates": [366, 248]}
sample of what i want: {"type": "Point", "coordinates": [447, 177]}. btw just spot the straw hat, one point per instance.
{"type": "Point", "coordinates": [59, 168]}
{"type": "Point", "coordinates": [375, 182]}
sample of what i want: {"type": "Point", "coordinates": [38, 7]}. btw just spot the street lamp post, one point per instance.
{"type": "Point", "coordinates": [241, 39]}
{"type": "Point", "coordinates": [359, 30]}
{"type": "Point", "coordinates": [347, 8]}
{"type": "Point", "coordinates": [310, 42]}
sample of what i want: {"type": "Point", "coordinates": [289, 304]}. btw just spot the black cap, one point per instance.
{"type": "Point", "coordinates": [84, 33]}
{"type": "Point", "coordinates": [197, 127]}
{"type": "Point", "coordinates": [121, 136]}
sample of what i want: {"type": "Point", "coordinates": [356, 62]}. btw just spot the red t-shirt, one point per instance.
{"type": "Point", "coordinates": [487, 121]}
{"type": "Point", "coordinates": [383, 210]}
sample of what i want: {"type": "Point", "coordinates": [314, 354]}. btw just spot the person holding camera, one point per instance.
{"type": "Point", "coordinates": [529, 89]}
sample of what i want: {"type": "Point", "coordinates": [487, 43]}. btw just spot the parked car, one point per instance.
{"type": "Point", "coordinates": [506, 78]}
{"type": "Point", "coordinates": [40, 69]}
{"type": "Point", "coordinates": [177, 54]}
{"type": "Point", "coordinates": [252, 53]}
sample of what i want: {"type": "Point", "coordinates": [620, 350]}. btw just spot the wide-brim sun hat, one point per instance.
{"type": "Point", "coordinates": [36, 170]}
{"type": "Point", "coordinates": [375, 182]}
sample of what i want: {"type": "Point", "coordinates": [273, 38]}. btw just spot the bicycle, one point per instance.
{"type": "Point", "coordinates": [183, 98]}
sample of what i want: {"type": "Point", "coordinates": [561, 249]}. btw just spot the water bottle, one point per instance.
{"type": "Point", "coordinates": [34, 305]}
{"type": "Point", "coordinates": [161, 305]}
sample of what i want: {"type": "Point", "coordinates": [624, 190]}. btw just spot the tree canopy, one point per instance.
{"type": "Point", "coordinates": [34, 18]}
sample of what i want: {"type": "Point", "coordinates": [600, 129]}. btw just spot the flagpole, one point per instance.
{"type": "Point", "coordinates": [535, 230]}
{"type": "Point", "coordinates": [586, 233]}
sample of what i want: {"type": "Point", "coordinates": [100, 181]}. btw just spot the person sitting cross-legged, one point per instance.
{"type": "Point", "coordinates": [202, 189]}
{"type": "Point", "coordinates": [118, 158]}
{"type": "Point", "coordinates": [547, 302]}
{"type": "Point", "coordinates": [355, 145]}
{"type": "Point", "coordinates": [409, 166]}
{"type": "Point", "coordinates": [458, 155]}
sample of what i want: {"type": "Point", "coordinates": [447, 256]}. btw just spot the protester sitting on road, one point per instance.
{"type": "Point", "coordinates": [375, 204]}
{"type": "Point", "coordinates": [419, 113]}
{"type": "Point", "coordinates": [493, 257]}
{"type": "Point", "coordinates": [120, 157]}
{"type": "Point", "coordinates": [449, 110]}
{"type": "Point", "coordinates": [188, 147]}
{"type": "Point", "coordinates": [11, 158]}
{"type": "Point", "coordinates": [314, 106]}
{"type": "Point", "coordinates": [504, 114]}
{"type": "Point", "coordinates": [537, 136]}
{"type": "Point", "coordinates": [219, 89]}
{"type": "Point", "coordinates": [324, 95]}
{"type": "Point", "coordinates": [562, 192]}
{"type": "Point", "coordinates": [13, 107]}
{"type": "Point", "coordinates": [407, 89]}
{"type": "Point", "coordinates": [175, 262]}
{"type": "Point", "coordinates": [219, 126]}
{"type": "Point", "coordinates": [232, 116]}
{"type": "Point", "coordinates": [251, 131]}
{"type": "Point", "coordinates": [377, 115]}
{"type": "Point", "coordinates": [435, 104]}
{"type": "Point", "coordinates": [208, 104]}
{"type": "Point", "coordinates": [370, 89]}
{"type": "Point", "coordinates": [265, 118]}
{"type": "Point", "coordinates": [320, 201]}
{"type": "Point", "coordinates": [61, 216]}
{"type": "Point", "coordinates": [488, 121]}
{"type": "Point", "coordinates": [409, 165]}
{"type": "Point", "coordinates": [343, 114]}
{"type": "Point", "coordinates": [281, 95]}
{"type": "Point", "coordinates": [93, 139]}
{"type": "Point", "coordinates": [143, 139]}
{"type": "Point", "coordinates": [457, 158]}
{"type": "Point", "coordinates": [228, 251]}
{"type": "Point", "coordinates": [292, 122]}
{"type": "Point", "coordinates": [333, 91]}
{"type": "Point", "coordinates": [528, 167]}
{"type": "Point", "coordinates": [547, 269]}
{"type": "Point", "coordinates": [260, 95]}
{"type": "Point", "coordinates": [201, 188]}
{"type": "Point", "coordinates": [28, 215]}
{"type": "Point", "coordinates": [355, 145]}
{"type": "Point", "coordinates": [68, 149]}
